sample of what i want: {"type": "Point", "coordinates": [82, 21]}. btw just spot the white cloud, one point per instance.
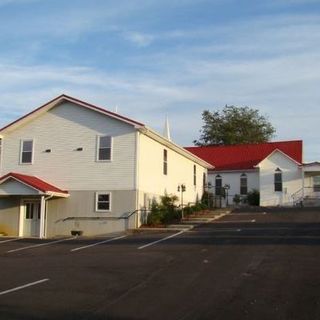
{"type": "Point", "coordinates": [138, 38]}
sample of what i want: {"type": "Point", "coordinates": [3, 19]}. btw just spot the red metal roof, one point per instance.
{"type": "Point", "coordinates": [246, 156]}
{"type": "Point", "coordinates": [33, 182]}
{"type": "Point", "coordinates": [79, 102]}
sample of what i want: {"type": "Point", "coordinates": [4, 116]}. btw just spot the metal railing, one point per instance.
{"type": "Point", "coordinates": [305, 193]}
{"type": "Point", "coordinates": [125, 216]}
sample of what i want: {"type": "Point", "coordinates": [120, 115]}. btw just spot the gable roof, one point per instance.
{"type": "Point", "coordinates": [65, 98]}
{"type": "Point", "coordinates": [246, 156]}
{"type": "Point", "coordinates": [137, 125]}
{"type": "Point", "coordinates": [34, 183]}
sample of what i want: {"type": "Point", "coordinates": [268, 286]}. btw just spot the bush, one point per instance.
{"type": "Point", "coordinates": [237, 199]}
{"type": "Point", "coordinates": [165, 212]}
{"type": "Point", "coordinates": [253, 197]}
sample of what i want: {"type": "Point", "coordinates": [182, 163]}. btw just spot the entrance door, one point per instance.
{"type": "Point", "coordinates": [31, 227]}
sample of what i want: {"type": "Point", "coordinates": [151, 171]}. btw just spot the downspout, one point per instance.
{"type": "Point", "coordinates": [43, 215]}
{"type": "Point", "coordinates": [136, 182]}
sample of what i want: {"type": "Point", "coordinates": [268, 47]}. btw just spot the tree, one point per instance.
{"type": "Point", "coordinates": [234, 125]}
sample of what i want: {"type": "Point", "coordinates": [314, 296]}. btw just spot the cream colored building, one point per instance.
{"type": "Point", "coordinates": [70, 165]}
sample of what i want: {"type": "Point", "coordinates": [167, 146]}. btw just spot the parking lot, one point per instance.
{"type": "Point", "coordinates": [246, 265]}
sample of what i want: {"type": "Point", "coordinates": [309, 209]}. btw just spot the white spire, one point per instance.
{"type": "Point", "coordinates": [166, 132]}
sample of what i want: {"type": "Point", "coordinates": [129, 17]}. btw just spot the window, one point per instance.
{"type": "Point", "coordinates": [103, 201]}
{"type": "Point", "coordinates": [165, 162]}
{"type": "Point", "coordinates": [218, 185]}
{"type": "Point", "coordinates": [194, 175]}
{"type": "Point", "coordinates": [26, 151]}
{"type": "Point", "coordinates": [104, 148]}
{"type": "Point", "coordinates": [278, 180]}
{"type": "Point", "coordinates": [243, 184]}
{"type": "Point", "coordinates": [316, 184]}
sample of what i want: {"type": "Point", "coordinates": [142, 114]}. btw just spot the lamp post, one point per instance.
{"type": "Point", "coordinates": [181, 189]}
{"type": "Point", "coordinates": [208, 186]}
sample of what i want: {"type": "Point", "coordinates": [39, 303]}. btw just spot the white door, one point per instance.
{"type": "Point", "coordinates": [31, 227]}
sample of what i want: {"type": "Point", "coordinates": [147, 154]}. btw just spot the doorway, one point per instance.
{"type": "Point", "coordinates": [31, 218]}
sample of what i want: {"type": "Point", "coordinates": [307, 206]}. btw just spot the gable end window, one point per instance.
{"type": "Point", "coordinates": [103, 201]}
{"type": "Point", "coordinates": [278, 180]}
{"type": "Point", "coordinates": [104, 148]}
{"type": "Point", "coordinates": [194, 175]}
{"type": "Point", "coordinates": [26, 156]}
{"type": "Point", "coordinates": [243, 184]}
{"type": "Point", "coordinates": [165, 161]}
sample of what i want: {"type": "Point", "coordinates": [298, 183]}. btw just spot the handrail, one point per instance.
{"type": "Point", "coordinates": [105, 218]}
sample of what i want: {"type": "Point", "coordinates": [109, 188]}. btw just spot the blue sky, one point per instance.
{"type": "Point", "coordinates": [150, 58]}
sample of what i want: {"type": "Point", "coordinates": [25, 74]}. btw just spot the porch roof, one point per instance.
{"type": "Point", "coordinates": [312, 167]}
{"type": "Point", "coordinates": [35, 183]}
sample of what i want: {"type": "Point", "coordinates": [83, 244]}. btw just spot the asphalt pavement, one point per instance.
{"type": "Point", "coordinates": [246, 265]}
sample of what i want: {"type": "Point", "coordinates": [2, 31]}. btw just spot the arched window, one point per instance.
{"type": "Point", "coordinates": [218, 184]}
{"type": "Point", "coordinates": [278, 180]}
{"type": "Point", "coordinates": [243, 184]}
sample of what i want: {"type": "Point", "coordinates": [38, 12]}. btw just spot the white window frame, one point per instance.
{"type": "Point", "coordinates": [98, 148]}
{"type": "Point", "coordinates": [98, 193]}
{"type": "Point", "coordinates": [242, 177]}
{"type": "Point", "coordinates": [21, 151]}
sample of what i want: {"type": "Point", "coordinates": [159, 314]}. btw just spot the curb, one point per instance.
{"type": "Point", "coordinates": [182, 226]}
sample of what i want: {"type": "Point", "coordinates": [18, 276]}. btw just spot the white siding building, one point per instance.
{"type": "Point", "coordinates": [275, 169]}
{"type": "Point", "coordinates": [69, 165]}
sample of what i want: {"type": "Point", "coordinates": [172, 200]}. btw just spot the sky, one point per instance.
{"type": "Point", "coordinates": [151, 58]}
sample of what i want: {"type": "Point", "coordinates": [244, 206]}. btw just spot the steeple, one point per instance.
{"type": "Point", "coordinates": [166, 131]}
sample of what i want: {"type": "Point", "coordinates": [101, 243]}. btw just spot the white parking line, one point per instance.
{"type": "Point", "coordinates": [164, 239]}
{"type": "Point", "coordinates": [97, 243]}
{"type": "Point", "coordinates": [24, 286]}
{"type": "Point", "coordinates": [234, 221]}
{"type": "Point", "coordinates": [16, 239]}
{"type": "Point", "coordinates": [41, 245]}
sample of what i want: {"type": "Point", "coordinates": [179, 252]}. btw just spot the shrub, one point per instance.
{"type": "Point", "coordinates": [253, 197]}
{"type": "Point", "coordinates": [237, 199]}
{"type": "Point", "coordinates": [165, 212]}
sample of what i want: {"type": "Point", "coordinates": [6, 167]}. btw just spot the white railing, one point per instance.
{"type": "Point", "coordinates": [304, 193]}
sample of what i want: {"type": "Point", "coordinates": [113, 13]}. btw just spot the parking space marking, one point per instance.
{"type": "Point", "coordinates": [41, 245]}
{"type": "Point", "coordinates": [97, 243]}
{"type": "Point", "coordinates": [23, 287]}
{"type": "Point", "coordinates": [234, 221]}
{"type": "Point", "coordinates": [16, 239]}
{"type": "Point", "coordinates": [160, 240]}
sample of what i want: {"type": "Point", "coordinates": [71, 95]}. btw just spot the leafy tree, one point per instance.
{"type": "Point", "coordinates": [234, 125]}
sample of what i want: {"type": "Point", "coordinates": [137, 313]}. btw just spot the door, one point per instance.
{"type": "Point", "coordinates": [31, 227]}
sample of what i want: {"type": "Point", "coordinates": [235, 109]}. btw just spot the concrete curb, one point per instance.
{"type": "Point", "coordinates": [184, 226]}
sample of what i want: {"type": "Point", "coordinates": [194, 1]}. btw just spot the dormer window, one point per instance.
{"type": "Point", "coordinates": [26, 156]}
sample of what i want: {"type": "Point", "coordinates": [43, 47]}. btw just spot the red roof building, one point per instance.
{"type": "Point", "coordinates": [246, 156]}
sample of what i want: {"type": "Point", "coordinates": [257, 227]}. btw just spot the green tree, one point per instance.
{"type": "Point", "coordinates": [234, 125]}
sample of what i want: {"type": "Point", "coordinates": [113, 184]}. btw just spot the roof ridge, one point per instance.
{"type": "Point", "coordinates": [76, 101]}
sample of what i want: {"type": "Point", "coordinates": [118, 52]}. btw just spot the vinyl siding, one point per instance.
{"type": "Point", "coordinates": [291, 178]}
{"type": "Point", "coordinates": [153, 183]}
{"type": "Point", "coordinates": [233, 179]}
{"type": "Point", "coordinates": [64, 129]}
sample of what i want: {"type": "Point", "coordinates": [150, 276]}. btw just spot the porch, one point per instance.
{"type": "Point", "coordinates": [309, 194]}
{"type": "Point", "coordinates": [23, 205]}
